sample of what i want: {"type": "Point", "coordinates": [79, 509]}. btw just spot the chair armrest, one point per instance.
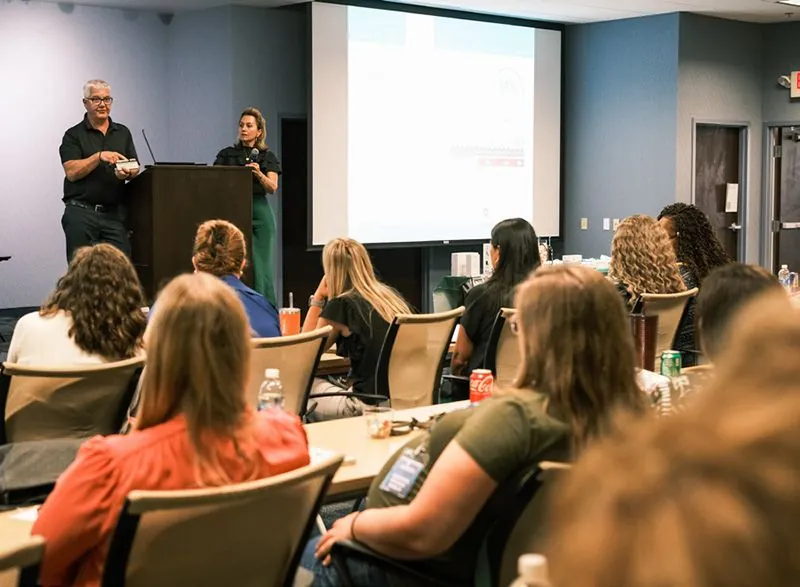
{"type": "Point", "coordinates": [347, 549]}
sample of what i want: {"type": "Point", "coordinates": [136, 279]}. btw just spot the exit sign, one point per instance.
{"type": "Point", "coordinates": [796, 84]}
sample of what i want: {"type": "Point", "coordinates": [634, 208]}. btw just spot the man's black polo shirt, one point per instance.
{"type": "Point", "coordinates": [82, 140]}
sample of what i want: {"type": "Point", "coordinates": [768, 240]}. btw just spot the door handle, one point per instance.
{"type": "Point", "coordinates": [737, 227]}
{"type": "Point", "coordinates": [790, 225]}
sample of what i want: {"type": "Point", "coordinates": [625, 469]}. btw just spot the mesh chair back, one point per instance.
{"type": "Point", "coordinates": [410, 365]}
{"type": "Point", "coordinates": [19, 565]}
{"type": "Point", "coordinates": [249, 534]}
{"type": "Point", "coordinates": [45, 403]}
{"type": "Point", "coordinates": [297, 357]}
{"type": "Point", "coordinates": [502, 351]}
{"type": "Point", "coordinates": [669, 308]}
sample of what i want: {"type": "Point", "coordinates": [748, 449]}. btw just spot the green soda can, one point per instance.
{"type": "Point", "coordinates": [671, 363]}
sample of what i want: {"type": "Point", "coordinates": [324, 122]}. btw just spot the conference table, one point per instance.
{"type": "Point", "coordinates": [364, 456]}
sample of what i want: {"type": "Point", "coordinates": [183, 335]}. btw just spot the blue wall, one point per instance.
{"type": "Point", "coordinates": [200, 92]}
{"type": "Point", "coordinates": [621, 88]}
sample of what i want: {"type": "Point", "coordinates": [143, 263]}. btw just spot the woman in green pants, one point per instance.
{"type": "Point", "coordinates": [251, 151]}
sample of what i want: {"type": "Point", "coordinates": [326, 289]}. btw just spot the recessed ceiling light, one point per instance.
{"type": "Point", "coordinates": [790, 2]}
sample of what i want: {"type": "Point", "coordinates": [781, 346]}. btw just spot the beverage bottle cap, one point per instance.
{"type": "Point", "coordinates": [272, 374]}
{"type": "Point", "coordinates": [532, 569]}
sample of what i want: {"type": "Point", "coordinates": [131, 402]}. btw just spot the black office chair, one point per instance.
{"type": "Point", "coordinates": [459, 384]}
{"type": "Point", "coordinates": [496, 522]}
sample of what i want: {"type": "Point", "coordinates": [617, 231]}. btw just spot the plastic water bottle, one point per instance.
{"type": "Point", "coordinates": [270, 394]}
{"type": "Point", "coordinates": [532, 569]}
{"type": "Point", "coordinates": [785, 278]}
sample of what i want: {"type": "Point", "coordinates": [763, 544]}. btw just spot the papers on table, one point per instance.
{"type": "Point", "coordinates": [321, 454]}
{"type": "Point", "coordinates": [26, 514]}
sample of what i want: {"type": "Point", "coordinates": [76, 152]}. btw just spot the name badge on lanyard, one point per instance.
{"type": "Point", "coordinates": [405, 473]}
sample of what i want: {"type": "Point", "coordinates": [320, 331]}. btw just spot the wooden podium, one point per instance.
{"type": "Point", "coordinates": [167, 203]}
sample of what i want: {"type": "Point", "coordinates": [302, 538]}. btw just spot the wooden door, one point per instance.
{"type": "Point", "coordinates": [787, 197]}
{"type": "Point", "coordinates": [717, 164]}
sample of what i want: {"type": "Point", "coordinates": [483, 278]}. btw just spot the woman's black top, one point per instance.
{"type": "Point", "coordinates": [685, 337]}
{"type": "Point", "coordinates": [239, 155]}
{"type": "Point", "coordinates": [478, 321]}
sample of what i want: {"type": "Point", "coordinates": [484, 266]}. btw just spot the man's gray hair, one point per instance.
{"type": "Point", "coordinates": [96, 84]}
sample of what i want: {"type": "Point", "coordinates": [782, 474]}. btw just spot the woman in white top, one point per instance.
{"type": "Point", "coordinates": [93, 316]}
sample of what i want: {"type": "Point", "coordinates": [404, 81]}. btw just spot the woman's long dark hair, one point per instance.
{"type": "Point", "coordinates": [519, 256]}
{"type": "Point", "coordinates": [698, 246]}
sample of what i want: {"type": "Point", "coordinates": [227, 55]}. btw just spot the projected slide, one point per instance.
{"type": "Point", "coordinates": [431, 129]}
{"type": "Point", "coordinates": [440, 126]}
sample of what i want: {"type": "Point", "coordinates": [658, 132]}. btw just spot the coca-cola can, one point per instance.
{"type": "Point", "coordinates": [481, 382]}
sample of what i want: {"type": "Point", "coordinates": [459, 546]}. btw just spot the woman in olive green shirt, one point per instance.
{"type": "Point", "coordinates": [578, 366]}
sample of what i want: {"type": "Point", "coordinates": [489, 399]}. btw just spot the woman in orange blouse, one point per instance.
{"type": "Point", "coordinates": [194, 429]}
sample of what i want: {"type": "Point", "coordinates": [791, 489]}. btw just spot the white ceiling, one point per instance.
{"type": "Point", "coordinates": [572, 11]}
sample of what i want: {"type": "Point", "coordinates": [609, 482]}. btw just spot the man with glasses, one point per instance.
{"type": "Point", "coordinates": [93, 186]}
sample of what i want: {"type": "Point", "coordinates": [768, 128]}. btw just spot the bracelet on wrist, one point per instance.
{"type": "Point", "coordinates": [353, 526]}
{"type": "Point", "coordinates": [314, 303]}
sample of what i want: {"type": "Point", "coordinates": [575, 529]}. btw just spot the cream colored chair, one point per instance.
{"type": "Point", "coordinates": [669, 308]}
{"type": "Point", "coordinates": [297, 358]}
{"type": "Point", "coordinates": [528, 532]}
{"type": "Point", "coordinates": [19, 565]}
{"type": "Point", "coordinates": [247, 535]}
{"type": "Point", "coordinates": [410, 366]}
{"type": "Point", "coordinates": [45, 403]}
{"type": "Point", "coordinates": [502, 350]}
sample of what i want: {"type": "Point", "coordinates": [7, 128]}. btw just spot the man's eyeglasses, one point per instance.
{"type": "Point", "coordinates": [95, 101]}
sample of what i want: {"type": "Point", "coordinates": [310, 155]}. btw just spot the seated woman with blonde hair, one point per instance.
{"type": "Point", "coordinates": [577, 368]}
{"type": "Point", "coordinates": [643, 260]}
{"type": "Point", "coordinates": [194, 429]}
{"type": "Point", "coordinates": [219, 249]}
{"type": "Point", "coordinates": [93, 316]}
{"type": "Point", "coordinates": [359, 308]}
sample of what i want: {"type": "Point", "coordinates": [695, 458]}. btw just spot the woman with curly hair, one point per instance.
{"type": "Point", "coordinates": [696, 246]}
{"type": "Point", "coordinates": [642, 260]}
{"type": "Point", "coordinates": [699, 252]}
{"type": "Point", "coordinates": [93, 316]}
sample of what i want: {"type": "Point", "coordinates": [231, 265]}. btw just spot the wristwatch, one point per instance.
{"type": "Point", "coordinates": [315, 303]}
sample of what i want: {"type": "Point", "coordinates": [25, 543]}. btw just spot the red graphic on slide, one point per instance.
{"type": "Point", "coordinates": [501, 162]}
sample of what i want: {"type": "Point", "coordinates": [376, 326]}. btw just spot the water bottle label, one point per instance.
{"type": "Point", "coordinates": [268, 401]}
